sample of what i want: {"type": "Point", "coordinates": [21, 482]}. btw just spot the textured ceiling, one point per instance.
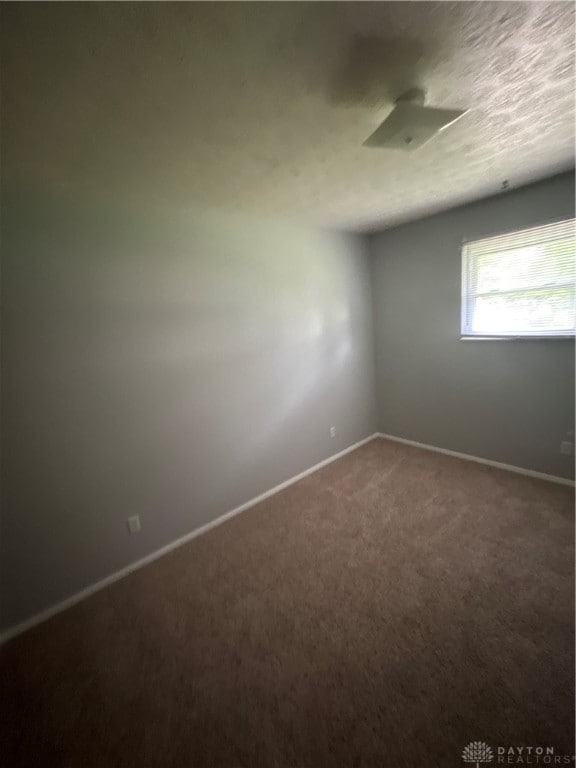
{"type": "Point", "coordinates": [263, 107]}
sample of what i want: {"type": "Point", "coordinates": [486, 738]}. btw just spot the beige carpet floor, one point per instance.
{"type": "Point", "coordinates": [384, 611]}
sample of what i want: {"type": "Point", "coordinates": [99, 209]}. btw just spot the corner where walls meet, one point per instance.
{"type": "Point", "coordinates": [506, 401]}
{"type": "Point", "coordinates": [168, 365]}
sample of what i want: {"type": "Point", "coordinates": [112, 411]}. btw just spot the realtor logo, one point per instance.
{"type": "Point", "coordinates": [477, 752]}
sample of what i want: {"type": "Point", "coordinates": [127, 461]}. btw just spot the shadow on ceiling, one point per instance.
{"type": "Point", "coordinates": [377, 70]}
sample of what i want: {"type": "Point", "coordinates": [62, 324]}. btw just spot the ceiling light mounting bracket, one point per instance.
{"type": "Point", "coordinates": [411, 124]}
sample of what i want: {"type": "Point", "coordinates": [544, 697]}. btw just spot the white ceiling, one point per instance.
{"type": "Point", "coordinates": [263, 107]}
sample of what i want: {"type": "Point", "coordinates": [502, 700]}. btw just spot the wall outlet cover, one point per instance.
{"type": "Point", "coordinates": [134, 524]}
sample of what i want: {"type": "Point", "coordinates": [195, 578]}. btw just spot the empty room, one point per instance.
{"type": "Point", "coordinates": [287, 379]}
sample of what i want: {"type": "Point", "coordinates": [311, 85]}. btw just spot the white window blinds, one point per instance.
{"type": "Point", "coordinates": [521, 283]}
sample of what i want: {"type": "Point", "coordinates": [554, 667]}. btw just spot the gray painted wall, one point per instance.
{"type": "Point", "coordinates": [509, 401]}
{"type": "Point", "coordinates": [176, 366]}
{"type": "Point", "coordinates": [170, 366]}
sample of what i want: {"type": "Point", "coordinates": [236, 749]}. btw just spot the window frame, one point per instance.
{"type": "Point", "coordinates": [539, 336]}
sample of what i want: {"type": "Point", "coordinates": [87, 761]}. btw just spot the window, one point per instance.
{"type": "Point", "coordinates": [520, 284]}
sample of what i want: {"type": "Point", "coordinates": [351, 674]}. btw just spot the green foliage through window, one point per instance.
{"type": "Point", "coordinates": [521, 283]}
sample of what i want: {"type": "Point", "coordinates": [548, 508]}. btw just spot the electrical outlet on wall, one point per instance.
{"type": "Point", "coordinates": [567, 448]}
{"type": "Point", "coordinates": [134, 524]}
{"type": "Point", "coordinates": [332, 431]}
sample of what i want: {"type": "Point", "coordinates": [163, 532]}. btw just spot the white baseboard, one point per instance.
{"type": "Point", "coordinates": [477, 459]}
{"type": "Point", "coordinates": [97, 586]}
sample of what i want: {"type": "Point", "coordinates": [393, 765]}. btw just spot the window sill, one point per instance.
{"type": "Point", "coordinates": [549, 337]}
